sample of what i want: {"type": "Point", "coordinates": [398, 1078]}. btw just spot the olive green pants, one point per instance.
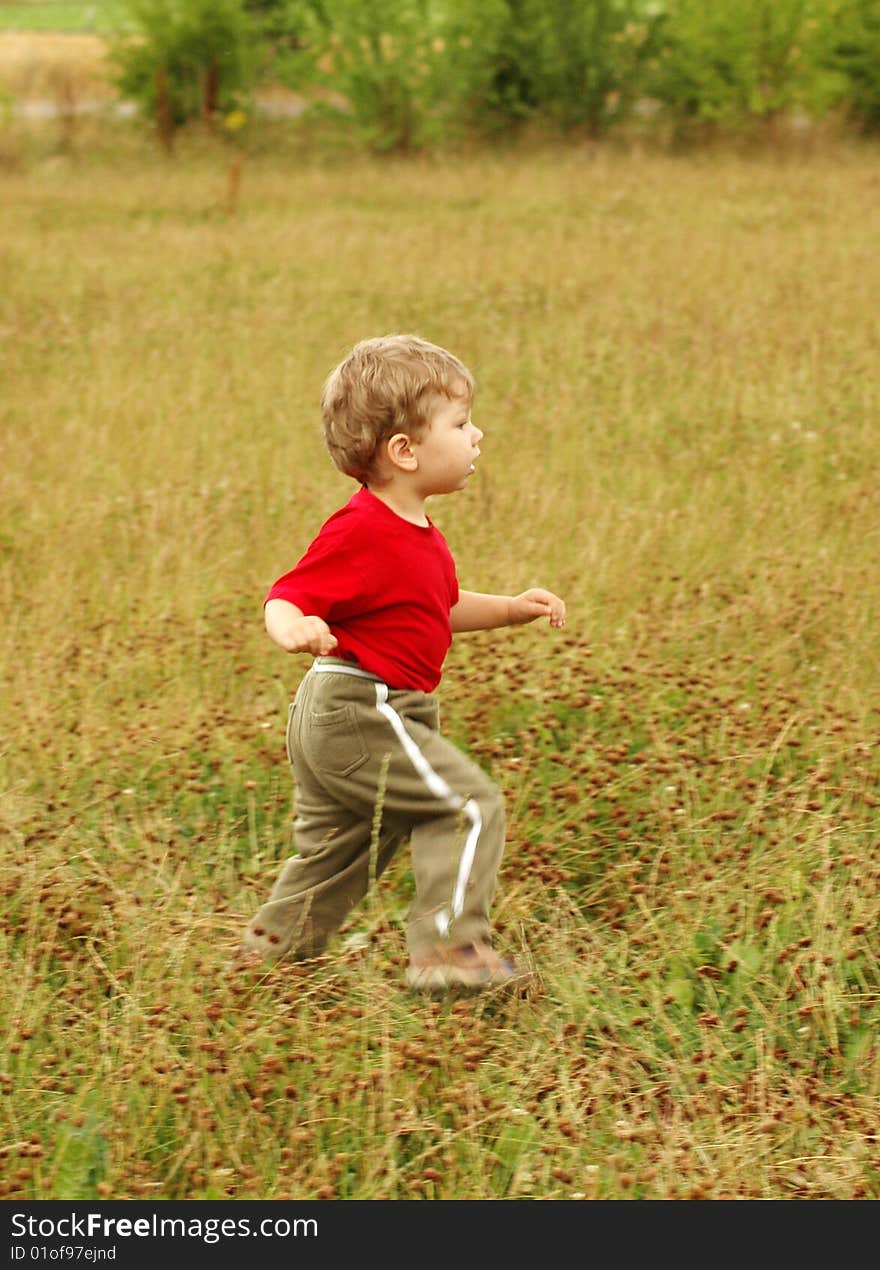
{"type": "Point", "coordinates": [370, 770]}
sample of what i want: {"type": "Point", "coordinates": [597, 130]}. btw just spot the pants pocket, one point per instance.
{"type": "Point", "coordinates": [334, 741]}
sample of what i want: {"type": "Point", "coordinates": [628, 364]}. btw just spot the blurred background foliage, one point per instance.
{"type": "Point", "coordinates": [406, 74]}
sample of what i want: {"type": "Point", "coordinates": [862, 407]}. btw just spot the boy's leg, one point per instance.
{"type": "Point", "coordinates": [454, 812]}
{"type": "Point", "coordinates": [318, 887]}
{"type": "Point", "coordinates": [336, 857]}
{"type": "Point", "coordinates": [363, 754]}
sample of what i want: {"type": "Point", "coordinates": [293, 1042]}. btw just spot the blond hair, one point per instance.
{"type": "Point", "coordinates": [383, 387]}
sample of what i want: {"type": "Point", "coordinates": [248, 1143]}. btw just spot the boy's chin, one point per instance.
{"type": "Point", "coordinates": [452, 484]}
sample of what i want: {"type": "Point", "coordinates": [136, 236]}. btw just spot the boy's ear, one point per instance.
{"type": "Point", "coordinates": [400, 452]}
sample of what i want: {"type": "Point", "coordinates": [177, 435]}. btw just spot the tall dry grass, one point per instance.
{"type": "Point", "coordinates": [47, 66]}
{"type": "Point", "coordinates": [678, 383]}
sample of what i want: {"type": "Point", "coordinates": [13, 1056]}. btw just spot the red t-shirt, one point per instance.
{"type": "Point", "coordinates": [384, 586]}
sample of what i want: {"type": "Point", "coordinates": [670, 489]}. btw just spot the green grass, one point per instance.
{"type": "Point", "coordinates": [103, 17]}
{"type": "Point", "coordinates": [679, 388]}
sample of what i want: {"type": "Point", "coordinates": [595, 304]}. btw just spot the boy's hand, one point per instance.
{"type": "Point", "coordinates": [536, 603]}
{"type": "Point", "coordinates": [309, 635]}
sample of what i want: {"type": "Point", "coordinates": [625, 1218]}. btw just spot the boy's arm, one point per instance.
{"type": "Point", "coordinates": [295, 632]}
{"type": "Point", "coordinates": [477, 612]}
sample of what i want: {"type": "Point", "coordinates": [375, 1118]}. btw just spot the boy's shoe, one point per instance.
{"type": "Point", "coordinates": [475, 966]}
{"type": "Point", "coordinates": [245, 958]}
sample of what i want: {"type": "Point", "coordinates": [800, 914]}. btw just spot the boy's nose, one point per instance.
{"type": "Point", "coordinates": [478, 432]}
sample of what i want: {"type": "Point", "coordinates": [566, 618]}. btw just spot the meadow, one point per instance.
{"type": "Point", "coordinates": [678, 381]}
{"type": "Point", "coordinates": [59, 15]}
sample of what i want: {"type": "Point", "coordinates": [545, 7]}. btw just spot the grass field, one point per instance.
{"type": "Point", "coordinates": [102, 16]}
{"type": "Point", "coordinates": [679, 386]}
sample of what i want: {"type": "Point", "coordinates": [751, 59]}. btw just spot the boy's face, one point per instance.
{"type": "Point", "coordinates": [448, 448]}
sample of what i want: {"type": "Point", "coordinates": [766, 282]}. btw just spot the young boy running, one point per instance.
{"type": "Point", "coordinates": [376, 601]}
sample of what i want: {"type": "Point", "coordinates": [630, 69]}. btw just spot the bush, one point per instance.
{"type": "Point", "coordinates": [489, 65]}
{"type": "Point", "coordinates": [411, 71]}
{"type": "Point", "coordinates": [375, 63]}
{"type": "Point", "coordinates": [851, 48]}
{"type": "Point", "coordinates": [588, 59]}
{"type": "Point", "coordinates": [407, 73]}
{"type": "Point", "coordinates": [573, 62]}
{"type": "Point", "coordinates": [188, 59]}
{"type": "Point", "coordinates": [731, 61]}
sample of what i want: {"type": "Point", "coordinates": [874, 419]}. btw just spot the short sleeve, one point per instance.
{"type": "Point", "coordinates": [339, 576]}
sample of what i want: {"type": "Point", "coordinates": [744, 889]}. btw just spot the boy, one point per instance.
{"type": "Point", "coordinates": [376, 601]}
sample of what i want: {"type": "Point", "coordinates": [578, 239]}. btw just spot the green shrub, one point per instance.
{"type": "Point", "coordinates": [486, 77]}
{"type": "Point", "coordinates": [411, 71]}
{"type": "Point", "coordinates": [402, 74]}
{"type": "Point", "coordinates": [851, 49]}
{"type": "Point", "coordinates": [376, 64]}
{"type": "Point", "coordinates": [588, 58]}
{"type": "Point", "coordinates": [188, 59]}
{"type": "Point", "coordinates": [575, 63]}
{"type": "Point", "coordinates": [731, 61]}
